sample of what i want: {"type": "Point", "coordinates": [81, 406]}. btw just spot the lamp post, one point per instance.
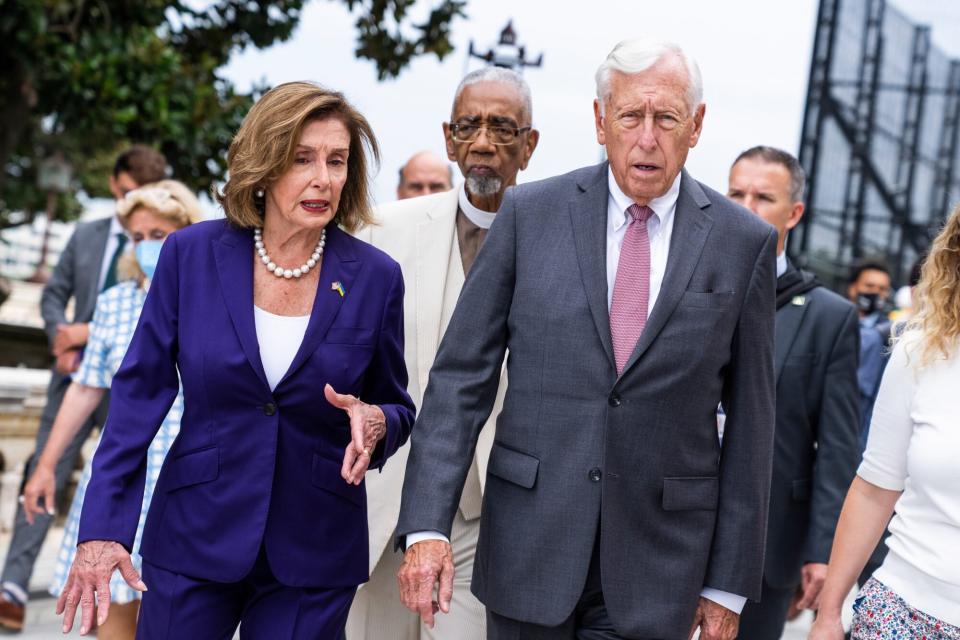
{"type": "Point", "coordinates": [507, 53]}
{"type": "Point", "coordinates": [53, 176]}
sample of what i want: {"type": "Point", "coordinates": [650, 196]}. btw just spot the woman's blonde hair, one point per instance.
{"type": "Point", "coordinates": [937, 321]}
{"type": "Point", "coordinates": [265, 146]}
{"type": "Point", "coordinates": [167, 199]}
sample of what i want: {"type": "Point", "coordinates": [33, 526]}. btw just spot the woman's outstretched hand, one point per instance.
{"type": "Point", "coordinates": [368, 425]}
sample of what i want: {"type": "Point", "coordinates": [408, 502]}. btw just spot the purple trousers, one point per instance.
{"type": "Point", "coordinates": [177, 607]}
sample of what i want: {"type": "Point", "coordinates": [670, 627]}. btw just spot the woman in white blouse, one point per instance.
{"type": "Point", "coordinates": [910, 469]}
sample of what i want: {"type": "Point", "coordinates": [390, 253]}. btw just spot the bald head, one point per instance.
{"type": "Point", "coordinates": [424, 173]}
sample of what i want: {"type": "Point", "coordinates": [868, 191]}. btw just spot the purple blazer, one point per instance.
{"type": "Point", "coordinates": [250, 466]}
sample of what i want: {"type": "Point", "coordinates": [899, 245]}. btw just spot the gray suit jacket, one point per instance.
{"type": "Point", "coordinates": [816, 449]}
{"type": "Point", "coordinates": [580, 450]}
{"type": "Point", "coordinates": [77, 276]}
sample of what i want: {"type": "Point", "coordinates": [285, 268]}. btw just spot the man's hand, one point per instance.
{"type": "Point", "coordinates": [812, 577]}
{"type": "Point", "coordinates": [368, 425]}
{"type": "Point", "coordinates": [716, 622]}
{"type": "Point", "coordinates": [424, 565]}
{"type": "Point", "coordinates": [70, 336]}
{"type": "Point", "coordinates": [88, 583]}
{"type": "Point", "coordinates": [42, 484]}
{"type": "Point", "coordinates": [68, 362]}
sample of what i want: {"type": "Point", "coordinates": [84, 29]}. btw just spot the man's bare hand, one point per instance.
{"type": "Point", "coordinates": [42, 484]}
{"type": "Point", "coordinates": [70, 336]}
{"type": "Point", "coordinates": [68, 362]}
{"type": "Point", "coordinates": [368, 425]}
{"type": "Point", "coordinates": [426, 564]}
{"type": "Point", "coordinates": [715, 621]}
{"type": "Point", "coordinates": [88, 583]}
{"type": "Point", "coordinates": [812, 577]}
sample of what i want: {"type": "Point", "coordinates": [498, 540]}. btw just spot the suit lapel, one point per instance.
{"type": "Point", "coordinates": [234, 256]}
{"type": "Point", "coordinates": [435, 238]}
{"type": "Point", "coordinates": [588, 217]}
{"type": "Point", "coordinates": [788, 320]}
{"type": "Point", "coordinates": [340, 264]}
{"type": "Point", "coordinates": [691, 226]}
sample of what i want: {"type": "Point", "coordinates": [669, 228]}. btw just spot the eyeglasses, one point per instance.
{"type": "Point", "coordinates": [496, 133]}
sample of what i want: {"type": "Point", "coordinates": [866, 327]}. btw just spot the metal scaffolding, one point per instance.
{"type": "Point", "coordinates": [879, 140]}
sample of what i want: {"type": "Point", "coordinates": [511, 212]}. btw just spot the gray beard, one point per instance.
{"type": "Point", "coordinates": [484, 185]}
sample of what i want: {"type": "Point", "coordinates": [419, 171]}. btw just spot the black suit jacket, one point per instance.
{"type": "Point", "coordinates": [815, 443]}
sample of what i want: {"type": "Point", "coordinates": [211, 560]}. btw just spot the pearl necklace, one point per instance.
{"type": "Point", "coordinates": [279, 271]}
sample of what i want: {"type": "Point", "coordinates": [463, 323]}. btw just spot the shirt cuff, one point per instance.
{"type": "Point", "coordinates": [420, 536]}
{"type": "Point", "coordinates": [728, 600]}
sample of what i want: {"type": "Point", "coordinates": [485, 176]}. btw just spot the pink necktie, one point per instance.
{"type": "Point", "coordinates": [631, 290]}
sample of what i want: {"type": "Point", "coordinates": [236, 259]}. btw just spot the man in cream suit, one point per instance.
{"type": "Point", "coordinates": [436, 239]}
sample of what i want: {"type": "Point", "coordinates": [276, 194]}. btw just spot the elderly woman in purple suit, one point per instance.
{"type": "Point", "coordinates": [287, 336]}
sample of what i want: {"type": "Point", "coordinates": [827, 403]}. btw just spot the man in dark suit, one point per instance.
{"type": "Point", "coordinates": [633, 300]}
{"type": "Point", "coordinates": [87, 266]}
{"type": "Point", "coordinates": [815, 446]}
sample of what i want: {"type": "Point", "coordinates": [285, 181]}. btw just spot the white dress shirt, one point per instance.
{"type": "Point", "coordinates": [660, 230]}
{"type": "Point", "coordinates": [116, 229]}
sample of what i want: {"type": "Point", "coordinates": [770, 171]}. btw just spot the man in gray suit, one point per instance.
{"type": "Point", "coordinates": [633, 300]}
{"type": "Point", "coordinates": [87, 266]}
{"type": "Point", "coordinates": [815, 448]}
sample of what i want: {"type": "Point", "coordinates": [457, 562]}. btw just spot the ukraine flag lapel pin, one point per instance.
{"type": "Point", "coordinates": [337, 286]}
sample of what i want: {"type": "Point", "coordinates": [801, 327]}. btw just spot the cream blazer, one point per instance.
{"type": "Point", "coordinates": [420, 234]}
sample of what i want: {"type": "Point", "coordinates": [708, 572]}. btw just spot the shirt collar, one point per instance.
{"type": "Point", "coordinates": [479, 217]}
{"type": "Point", "coordinates": [663, 207]}
{"type": "Point", "coordinates": [781, 264]}
{"type": "Point", "coordinates": [115, 227]}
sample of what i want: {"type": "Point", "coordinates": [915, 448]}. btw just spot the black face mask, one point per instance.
{"type": "Point", "coordinates": [868, 303]}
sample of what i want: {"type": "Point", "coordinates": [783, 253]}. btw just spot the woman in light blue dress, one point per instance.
{"type": "Point", "coordinates": [148, 214]}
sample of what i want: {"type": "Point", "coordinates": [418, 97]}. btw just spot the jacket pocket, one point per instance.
{"type": "Point", "coordinates": [687, 494]}
{"type": "Point", "coordinates": [345, 335]}
{"type": "Point", "coordinates": [801, 489]}
{"type": "Point", "coordinates": [326, 475]}
{"type": "Point", "coordinates": [706, 300]}
{"type": "Point", "coordinates": [513, 466]}
{"type": "Point", "coordinates": [802, 360]}
{"type": "Point", "coordinates": [194, 467]}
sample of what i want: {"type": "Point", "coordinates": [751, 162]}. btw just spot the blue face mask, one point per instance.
{"type": "Point", "coordinates": [148, 252]}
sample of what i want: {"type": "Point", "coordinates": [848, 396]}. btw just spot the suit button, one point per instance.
{"type": "Point", "coordinates": [269, 409]}
{"type": "Point", "coordinates": [613, 400]}
{"type": "Point", "coordinates": [595, 474]}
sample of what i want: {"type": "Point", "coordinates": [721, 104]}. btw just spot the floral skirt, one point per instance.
{"type": "Point", "coordinates": [880, 614]}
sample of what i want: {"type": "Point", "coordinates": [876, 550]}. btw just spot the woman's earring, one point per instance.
{"type": "Point", "coordinates": [259, 192]}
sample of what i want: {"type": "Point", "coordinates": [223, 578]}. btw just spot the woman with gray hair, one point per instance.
{"type": "Point", "coordinates": [148, 214]}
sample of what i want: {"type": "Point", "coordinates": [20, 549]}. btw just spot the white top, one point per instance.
{"type": "Point", "coordinates": [660, 230]}
{"type": "Point", "coordinates": [914, 447]}
{"type": "Point", "coordinates": [279, 338]}
{"type": "Point", "coordinates": [116, 229]}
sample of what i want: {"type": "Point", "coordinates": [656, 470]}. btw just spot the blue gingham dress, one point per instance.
{"type": "Point", "coordinates": [114, 320]}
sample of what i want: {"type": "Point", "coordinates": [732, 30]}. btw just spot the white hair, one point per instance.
{"type": "Point", "coordinates": [498, 74]}
{"type": "Point", "coordinates": [639, 54]}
